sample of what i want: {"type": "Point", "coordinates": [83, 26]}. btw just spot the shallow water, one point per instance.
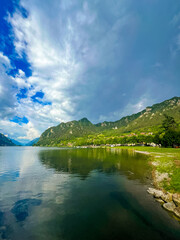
{"type": "Point", "coordinates": [50, 193]}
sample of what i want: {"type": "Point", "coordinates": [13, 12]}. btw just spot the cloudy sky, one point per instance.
{"type": "Point", "coordinates": [62, 60]}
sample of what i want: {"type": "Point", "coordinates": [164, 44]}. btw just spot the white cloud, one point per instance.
{"type": "Point", "coordinates": [77, 50]}
{"type": "Point", "coordinates": [5, 61]}
{"type": "Point", "coordinates": [7, 88]}
{"type": "Point", "coordinates": [21, 132]}
{"type": "Point", "coordinates": [131, 108]}
{"type": "Point", "coordinates": [55, 64]}
{"type": "Point", "coordinates": [9, 107]}
{"type": "Point", "coordinates": [21, 80]}
{"type": "Point", "coordinates": [31, 132]}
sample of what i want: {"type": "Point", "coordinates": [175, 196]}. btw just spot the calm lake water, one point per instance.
{"type": "Point", "coordinates": [48, 193]}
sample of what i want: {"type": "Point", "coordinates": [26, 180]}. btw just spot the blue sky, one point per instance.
{"type": "Point", "coordinates": [100, 59]}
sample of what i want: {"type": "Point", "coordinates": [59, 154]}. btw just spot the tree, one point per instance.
{"type": "Point", "coordinates": [171, 139]}
{"type": "Point", "coordinates": [171, 135]}
{"type": "Point", "coordinates": [157, 139]}
{"type": "Point", "coordinates": [169, 123]}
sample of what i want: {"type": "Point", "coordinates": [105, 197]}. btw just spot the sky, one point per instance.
{"type": "Point", "coordinates": [62, 60]}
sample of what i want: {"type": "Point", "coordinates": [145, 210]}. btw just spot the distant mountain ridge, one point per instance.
{"type": "Point", "coordinates": [69, 130]}
{"type": "Point", "coordinates": [31, 143]}
{"type": "Point", "coordinates": [4, 141]}
{"type": "Point", "coordinates": [149, 118]}
{"type": "Point", "coordinates": [16, 142]}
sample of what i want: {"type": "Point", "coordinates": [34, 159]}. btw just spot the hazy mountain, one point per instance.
{"type": "Point", "coordinates": [31, 143]}
{"type": "Point", "coordinates": [16, 142]}
{"type": "Point", "coordinates": [4, 141]}
{"type": "Point", "coordinates": [146, 120]}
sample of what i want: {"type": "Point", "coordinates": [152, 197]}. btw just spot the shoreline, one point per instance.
{"type": "Point", "coordinates": [165, 163]}
{"type": "Point", "coordinates": [170, 200]}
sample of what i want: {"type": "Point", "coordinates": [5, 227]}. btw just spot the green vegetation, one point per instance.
{"type": "Point", "coordinates": [101, 139]}
{"type": "Point", "coordinates": [157, 124]}
{"type": "Point", "coordinates": [164, 161]}
{"type": "Point", "coordinates": [171, 136]}
{"type": "Point", "coordinates": [169, 133]}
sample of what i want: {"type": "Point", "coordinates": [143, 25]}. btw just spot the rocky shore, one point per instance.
{"type": "Point", "coordinates": [169, 201]}
{"type": "Point", "coordinates": [165, 165]}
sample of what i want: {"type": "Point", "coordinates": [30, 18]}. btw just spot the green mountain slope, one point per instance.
{"type": "Point", "coordinates": [67, 131]}
{"type": "Point", "coordinates": [4, 141]}
{"type": "Point", "coordinates": [147, 120]}
{"type": "Point", "coordinates": [151, 116]}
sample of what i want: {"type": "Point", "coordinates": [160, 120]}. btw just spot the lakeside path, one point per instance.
{"type": "Point", "coordinates": [166, 175]}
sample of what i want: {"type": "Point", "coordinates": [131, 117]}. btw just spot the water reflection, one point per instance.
{"type": "Point", "coordinates": [42, 196]}
{"type": "Point", "coordinates": [83, 161]}
{"type": "Point", "coordinates": [1, 218]}
{"type": "Point", "coordinates": [4, 228]}
{"type": "Point", "coordinates": [9, 176]}
{"type": "Point", "coordinates": [21, 208]}
{"type": "Point", "coordinates": [135, 208]}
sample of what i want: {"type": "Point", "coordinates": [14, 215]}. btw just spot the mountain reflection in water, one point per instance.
{"type": "Point", "coordinates": [83, 161]}
{"type": "Point", "coordinates": [92, 194]}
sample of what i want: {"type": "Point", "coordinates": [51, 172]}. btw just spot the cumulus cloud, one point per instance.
{"type": "Point", "coordinates": [21, 132]}
{"type": "Point", "coordinates": [60, 56]}
{"type": "Point", "coordinates": [31, 132]}
{"type": "Point", "coordinates": [88, 58]}
{"type": "Point", "coordinates": [9, 106]}
{"type": "Point", "coordinates": [131, 108]}
{"type": "Point", "coordinates": [20, 80]}
{"type": "Point", "coordinates": [51, 55]}
{"type": "Point", "coordinates": [7, 88]}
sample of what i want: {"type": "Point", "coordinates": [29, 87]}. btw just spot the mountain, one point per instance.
{"type": "Point", "coordinates": [4, 141]}
{"type": "Point", "coordinates": [66, 131]}
{"type": "Point", "coordinates": [149, 117]}
{"type": "Point", "coordinates": [31, 143]}
{"type": "Point", "coordinates": [16, 142]}
{"type": "Point", "coordinates": [148, 120]}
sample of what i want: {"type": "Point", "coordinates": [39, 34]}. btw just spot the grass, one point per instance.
{"type": "Point", "coordinates": [164, 160]}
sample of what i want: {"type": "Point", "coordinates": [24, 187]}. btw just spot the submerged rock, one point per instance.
{"type": "Point", "coordinates": [170, 206]}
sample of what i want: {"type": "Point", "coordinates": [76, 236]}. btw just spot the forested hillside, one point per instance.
{"type": "Point", "coordinates": [144, 125]}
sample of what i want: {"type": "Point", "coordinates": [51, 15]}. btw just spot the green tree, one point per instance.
{"type": "Point", "coordinates": [171, 139]}
{"type": "Point", "coordinates": [169, 123]}
{"type": "Point", "coordinates": [171, 135]}
{"type": "Point", "coordinates": [157, 139]}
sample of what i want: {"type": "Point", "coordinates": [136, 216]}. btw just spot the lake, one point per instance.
{"type": "Point", "coordinates": [53, 193]}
